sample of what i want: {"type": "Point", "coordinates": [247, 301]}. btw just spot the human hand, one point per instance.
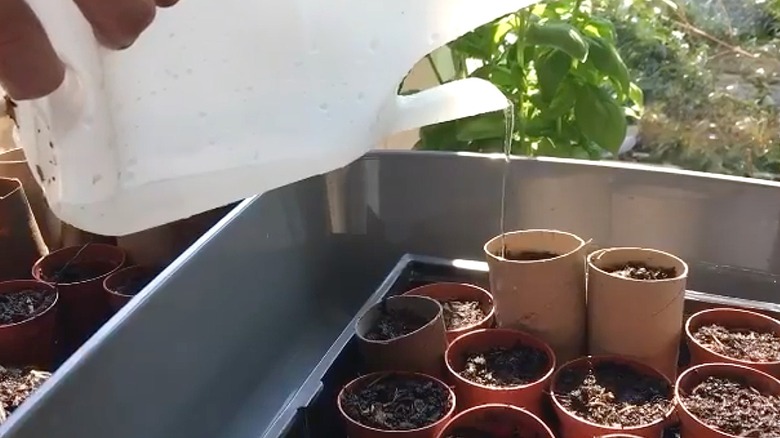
{"type": "Point", "coordinates": [29, 66]}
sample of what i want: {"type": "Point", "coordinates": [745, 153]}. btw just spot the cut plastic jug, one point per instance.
{"type": "Point", "coordinates": [219, 101]}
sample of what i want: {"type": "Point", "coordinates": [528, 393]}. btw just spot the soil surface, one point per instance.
{"type": "Point", "coordinates": [16, 385]}
{"type": "Point", "coordinates": [506, 367]}
{"type": "Point", "coordinates": [395, 323]}
{"type": "Point", "coordinates": [641, 271]}
{"type": "Point", "coordinates": [460, 314]}
{"type": "Point", "coordinates": [133, 285]}
{"type": "Point", "coordinates": [528, 256]}
{"type": "Point", "coordinates": [19, 306]}
{"type": "Point", "coordinates": [470, 432]}
{"type": "Point", "coordinates": [395, 402]}
{"type": "Point", "coordinates": [613, 395]}
{"type": "Point", "coordinates": [79, 271]}
{"type": "Point", "coordinates": [741, 344]}
{"type": "Point", "coordinates": [735, 408]}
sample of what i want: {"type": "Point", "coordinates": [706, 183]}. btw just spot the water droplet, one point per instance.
{"type": "Point", "coordinates": [202, 114]}
{"type": "Point", "coordinates": [189, 71]}
{"type": "Point", "coordinates": [374, 44]}
{"type": "Point", "coordinates": [298, 63]}
{"type": "Point", "coordinates": [171, 35]}
{"type": "Point", "coordinates": [361, 96]}
{"type": "Point", "coordinates": [324, 106]}
{"type": "Point", "coordinates": [212, 142]}
{"type": "Point", "coordinates": [435, 37]}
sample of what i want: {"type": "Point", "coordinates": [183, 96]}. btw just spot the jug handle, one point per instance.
{"type": "Point", "coordinates": [68, 135]}
{"type": "Point", "coordinates": [451, 101]}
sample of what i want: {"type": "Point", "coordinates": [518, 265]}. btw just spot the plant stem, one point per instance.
{"type": "Point", "coordinates": [434, 68]}
{"type": "Point", "coordinates": [519, 111]}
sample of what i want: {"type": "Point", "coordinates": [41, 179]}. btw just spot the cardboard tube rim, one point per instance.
{"type": "Point", "coordinates": [493, 240]}
{"type": "Point", "coordinates": [695, 316]}
{"type": "Point", "coordinates": [434, 319]}
{"type": "Point", "coordinates": [490, 314]}
{"type": "Point", "coordinates": [548, 351]}
{"type": "Point", "coordinates": [590, 360]}
{"type": "Point", "coordinates": [13, 186]}
{"type": "Point", "coordinates": [593, 257]}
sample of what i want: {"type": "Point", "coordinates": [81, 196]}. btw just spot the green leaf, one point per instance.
{"type": "Point", "coordinates": [599, 118]}
{"type": "Point", "coordinates": [548, 148]}
{"type": "Point", "coordinates": [502, 76]}
{"type": "Point", "coordinates": [561, 36]}
{"type": "Point", "coordinates": [481, 127]}
{"type": "Point", "coordinates": [606, 59]}
{"type": "Point", "coordinates": [552, 66]}
{"type": "Point", "coordinates": [637, 96]}
{"type": "Point", "coordinates": [562, 103]}
{"type": "Point", "coordinates": [438, 137]}
{"type": "Point", "coordinates": [603, 28]}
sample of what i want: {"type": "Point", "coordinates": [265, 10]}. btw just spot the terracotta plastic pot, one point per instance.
{"type": "Point", "coordinates": [690, 426]}
{"type": "Point", "coordinates": [545, 298]}
{"type": "Point", "coordinates": [733, 319]}
{"type": "Point", "coordinates": [83, 304]}
{"type": "Point", "coordinates": [29, 342]}
{"type": "Point", "coordinates": [133, 277]}
{"type": "Point", "coordinates": [640, 319]}
{"type": "Point", "coordinates": [500, 421]}
{"type": "Point", "coordinates": [572, 426]}
{"type": "Point", "coordinates": [358, 430]}
{"type": "Point", "coordinates": [420, 351]}
{"type": "Point", "coordinates": [619, 435]}
{"type": "Point", "coordinates": [443, 292]}
{"type": "Point", "coordinates": [20, 239]}
{"type": "Point", "coordinates": [470, 394]}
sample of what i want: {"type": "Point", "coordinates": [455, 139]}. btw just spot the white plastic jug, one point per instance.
{"type": "Point", "coordinates": [221, 100]}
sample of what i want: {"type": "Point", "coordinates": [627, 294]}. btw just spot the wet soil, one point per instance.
{"type": "Point", "coordinates": [506, 367]}
{"type": "Point", "coordinates": [735, 408]}
{"type": "Point", "coordinates": [470, 432]}
{"type": "Point", "coordinates": [460, 314]}
{"type": "Point", "coordinates": [613, 395]}
{"type": "Point", "coordinates": [79, 271]}
{"type": "Point", "coordinates": [396, 402]}
{"type": "Point", "coordinates": [19, 306]}
{"type": "Point", "coordinates": [740, 344]}
{"type": "Point", "coordinates": [395, 323]}
{"type": "Point", "coordinates": [528, 256]}
{"type": "Point", "coordinates": [133, 285]}
{"type": "Point", "coordinates": [642, 271]}
{"type": "Point", "coordinates": [16, 385]}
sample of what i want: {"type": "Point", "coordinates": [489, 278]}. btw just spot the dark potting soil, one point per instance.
{"type": "Point", "coordinates": [79, 271]}
{"type": "Point", "coordinates": [642, 271]}
{"type": "Point", "coordinates": [735, 408]}
{"type": "Point", "coordinates": [19, 306]}
{"type": "Point", "coordinates": [741, 344]}
{"type": "Point", "coordinates": [506, 367]}
{"type": "Point", "coordinates": [16, 385]}
{"type": "Point", "coordinates": [471, 432]}
{"type": "Point", "coordinates": [133, 285]}
{"type": "Point", "coordinates": [528, 255]}
{"type": "Point", "coordinates": [459, 314]}
{"type": "Point", "coordinates": [396, 402]}
{"type": "Point", "coordinates": [395, 323]}
{"type": "Point", "coordinates": [613, 395]}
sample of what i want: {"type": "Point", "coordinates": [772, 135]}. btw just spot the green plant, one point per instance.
{"type": "Point", "coordinates": [558, 65]}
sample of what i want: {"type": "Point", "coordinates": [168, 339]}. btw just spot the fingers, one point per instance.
{"type": "Point", "coordinates": [29, 67]}
{"type": "Point", "coordinates": [166, 3]}
{"type": "Point", "coordinates": [118, 23]}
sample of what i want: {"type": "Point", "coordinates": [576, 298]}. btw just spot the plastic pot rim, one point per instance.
{"type": "Point", "coordinates": [599, 252]}
{"type": "Point", "coordinates": [32, 285]}
{"type": "Point", "coordinates": [486, 406]}
{"type": "Point", "coordinates": [723, 357]}
{"type": "Point", "coordinates": [546, 348]}
{"type": "Point", "coordinates": [620, 359]}
{"type": "Point", "coordinates": [141, 269]}
{"type": "Point", "coordinates": [379, 374]}
{"type": "Point", "coordinates": [582, 243]}
{"type": "Point", "coordinates": [702, 368]}
{"type": "Point", "coordinates": [37, 271]}
{"type": "Point", "coordinates": [462, 330]}
{"type": "Point", "coordinates": [439, 315]}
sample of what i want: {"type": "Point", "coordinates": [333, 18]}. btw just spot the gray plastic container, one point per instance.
{"type": "Point", "coordinates": [222, 343]}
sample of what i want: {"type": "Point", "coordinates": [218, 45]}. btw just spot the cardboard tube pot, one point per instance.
{"type": "Point", "coordinates": [355, 429]}
{"type": "Point", "coordinates": [529, 396]}
{"type": "Point", "coordinates": [78, 272]}
{"type": "Point", "coordinates": [498, 421]}
{"type": "Point", "coordinates": [446, 292]}
{"type": "Point", "coordinates": [729, 319]}
{"type": "Point", "coordinates": [690, 425]}
{"type": "Point", "coordinates": [29, 342]}
{"type": "Point", "coordinates": [124, 284]}
{"type": "Point", "coordinates": [420, 351]}
{"type": "Point", "coordinates": [641, 319]}
{"type": "Point", "coordinates": [20, 239]}
{"type": "Point", "coordinates": [545, 298]}
{"type": "Point", "coordinates": [573, 426]}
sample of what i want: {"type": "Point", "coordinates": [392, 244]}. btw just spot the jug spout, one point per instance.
{"type": "Point", "coordinates": [451, 101]}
